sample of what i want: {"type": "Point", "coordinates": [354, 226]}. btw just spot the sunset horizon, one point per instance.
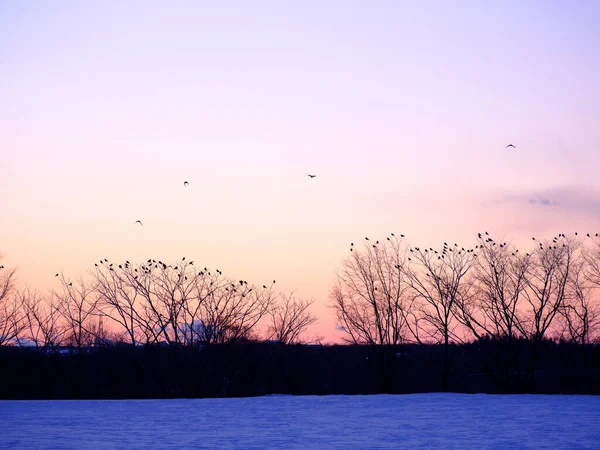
{"type": "Point", "coordinates": [406, 118]}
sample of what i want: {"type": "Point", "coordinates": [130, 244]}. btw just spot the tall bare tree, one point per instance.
{"type": "Point", "coordinates": [500, 279]}
{"type": "Point", "coordinates": [370, 296]}
{"type": "Point", "coordinates": [547, 281]}
{"type": "Point", "coordinates": [371, 302]}
{"type": "Point", "coordinates": [438, 279]}
{"type": "Point", "coordinates": [580, 312]}
{"type": "Point", "coordinates": [118, 297]}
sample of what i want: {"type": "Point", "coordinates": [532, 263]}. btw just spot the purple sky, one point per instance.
{"type": "Point", "coordinates": [402, 109]}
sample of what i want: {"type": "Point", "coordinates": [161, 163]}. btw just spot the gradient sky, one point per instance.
{"type": "Point", "coordinates": [402, 109]}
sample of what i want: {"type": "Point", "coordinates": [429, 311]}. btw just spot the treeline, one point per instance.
{"type": "Point", "coordinates": [418, 319]}
{"type": "Point", "coordinates": [254, 369]}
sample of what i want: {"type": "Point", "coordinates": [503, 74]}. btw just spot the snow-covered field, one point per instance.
{"type": "Point", "coordinates": [432, 421]}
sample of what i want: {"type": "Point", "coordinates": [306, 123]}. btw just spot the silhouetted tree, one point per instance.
{"type": "Point", "coordinates": [233, 309]}
{"type": "Point", "coordinates": [438, 279]}
{"type": "Point", "coordinates": [45, 326]}
{"type": "Point", "coordinates": [290, 318]}
{"type": "Point", "coordinates": [118, 298]}
{"type": "Point", "coordinates": [371, 302]}
{"type": "Point", "coordinates": [77, 304]}
{"type": "Point", "coordinates": [11, 314]}
{"type": "Point", "coordinates": [547, 280]}
{"type": "Point", "coordinates": [500, 280]}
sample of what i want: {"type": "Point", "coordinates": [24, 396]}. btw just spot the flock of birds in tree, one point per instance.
{"type": "Point", "coordinates": [488, 240]}
{"type": "Point", "coordinates": [146, 269]}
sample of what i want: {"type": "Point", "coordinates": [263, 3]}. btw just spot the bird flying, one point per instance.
{"type": "Point", "coordinates": [185, 183]}
{"type": "Point", "coordinates": [510, 145]}
{"type": "Point", "coordinates": [312, 176]}
{"type": "Point", "coordinates": [139, 221]}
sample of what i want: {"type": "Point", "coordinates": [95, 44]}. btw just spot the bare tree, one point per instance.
{"type": "Point", "coordinates": [547, 280]}
{"type": "Point", "coordinates": [371, 302]}
{"type": "Point", "coordinates": [290, 318]}
{"type": "Point", "coordinates": [580, 314]}
{"type": "Point", "coordinates": [438, 279]}
{"type": "Point", "coordinates": [11, 313]}
{"type": "Point", "coordinates": [78, 307]}
{"type": "Point", "coordinates": [43, 321]}
{"type": "Point", "coordinates": [499, 283]}
{"type": "Point", "coordinates": [370, 296]}
{"type": "Point", "coordinates": [581, 311]}
{"type": "Point", "coordinates": [233, 309]}
{"type": "Point", "coordinates": [118, 297]}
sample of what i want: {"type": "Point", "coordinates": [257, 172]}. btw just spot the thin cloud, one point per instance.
{"type": "Point", "coordinates": [576, 200]}
{"type": "Point", "coordinates": [543, 201]}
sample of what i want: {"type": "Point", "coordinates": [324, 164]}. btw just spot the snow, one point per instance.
{"type": "Point", "coordinates": [435, 421]}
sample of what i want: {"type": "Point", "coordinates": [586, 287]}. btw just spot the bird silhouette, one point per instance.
{"type": "Point", "coordinates": [312, 176]}
{"type": "Point", "coordinates": [510, 145]}
{"type": "Point", "coordinates": [185, 183]}
{"type": "Point", "coordinates": [139, 221]}
{"type": "Point", "coordinates": [56, 275]}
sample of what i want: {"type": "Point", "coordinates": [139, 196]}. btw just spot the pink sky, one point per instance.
{"type": "Point", "coordinates": [402, 109]}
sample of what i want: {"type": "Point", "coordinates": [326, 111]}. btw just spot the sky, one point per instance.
{"type": "Point", "coordinates": [402, 109]}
